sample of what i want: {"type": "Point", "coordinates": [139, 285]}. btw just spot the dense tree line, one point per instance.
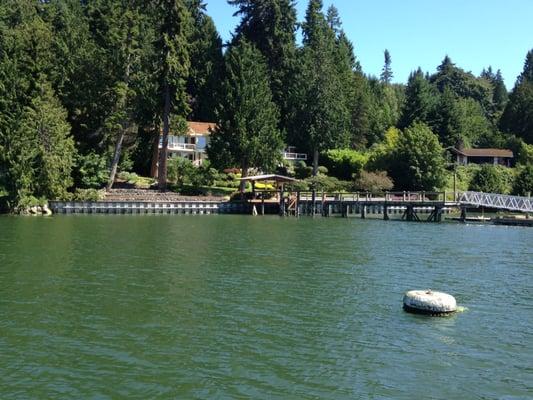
{"type": "Point", "coordinates": [87, 88]}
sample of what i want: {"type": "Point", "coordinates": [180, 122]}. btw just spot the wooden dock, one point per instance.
{"type": "Point", "coordinates": [411, 205]}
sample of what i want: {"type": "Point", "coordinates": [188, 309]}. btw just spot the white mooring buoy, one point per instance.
{"type": "Point", "coordinates": [429, 302]}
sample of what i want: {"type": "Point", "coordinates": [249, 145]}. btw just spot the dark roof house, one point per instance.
{"type": "Point", "coordinates": [482, 156]}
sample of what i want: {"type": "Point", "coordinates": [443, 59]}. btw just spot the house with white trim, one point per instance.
{"type": "Point", "coordinates": [192, 145]}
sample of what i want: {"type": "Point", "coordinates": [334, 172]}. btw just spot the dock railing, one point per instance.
{"type": "Point", "coordinates": [380, 197]}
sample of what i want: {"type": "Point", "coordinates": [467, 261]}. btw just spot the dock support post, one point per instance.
{"type": "Point", "coordinates": [409, 213]}
{"type": "Point", "coordinates": [385, 212]}
{"type": "Point", "coordinates": [313, 202]}
{"type": "Point", "coordinates": [281, 202]}
{"type": "Point", "coordinates": [363, 211]}
{"type": "Point", "coordinates": [263, 204]}
{"type": "Point", "coordinates": [297, 211]}
{"type": "Point", "coordinates": [463, 214]}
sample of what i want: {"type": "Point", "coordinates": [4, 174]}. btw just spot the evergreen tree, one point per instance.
{"type": "Point", "coordinates": [499, 92]}
{"type": "Point", "coordinates": [447, 120]}
{"type": "Point", "coordinates": [48, 147]}
{"type": "Point", "coordinates": [246, 133]}
{"type": "Point", "coordinates": [207, 63]}
{"type": "Point", "coordinates": [518, 115]}
{"type": "Point", "coordinates": [463, 84]}
{"type": "Point", "coordinates": [172, 49]}
{"type": "Point", "coordinates": [386, 73]}
{"type": "Point", "coordinates": [85, 76]}
{"type": "Point", "coordinates": [500, 95]}
{"type": "Point", "coordinates": [26, 63]}
{"type": "Point", "coordinates": [460, 121]}
{"type": "Point", "coordinates": [323, 117]}
{"type": "Point", "coordinates": [270, 25]}
{"type": "Point", "coordinates": [420, 100]}
{"type": "Point", "coordinates": [334, 20]}
{"type": "Point", "coordinates": [120, 31]}
{"type": "Point", "coordinates": [362, 112]}
{"type": "Point", "coordinates": [523, 184]}
{"type": "Point", "coordinates": [385, 109]}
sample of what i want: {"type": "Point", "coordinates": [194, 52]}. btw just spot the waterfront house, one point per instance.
{"type": "Point", "coordinates": [482, 156]}
{"type": "Point", "coordinates": [191, 145]}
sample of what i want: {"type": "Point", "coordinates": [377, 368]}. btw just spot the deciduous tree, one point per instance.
{"type": "Point", "coordinates": [418, 160]}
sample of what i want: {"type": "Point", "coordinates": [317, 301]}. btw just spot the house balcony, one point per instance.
{"type": "Point", "coordinates": [294, 156]}
{"type": "Point", "coordinates": [186, 147]}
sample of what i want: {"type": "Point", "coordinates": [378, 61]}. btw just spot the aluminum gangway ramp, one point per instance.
{"type": "Point", "coordinates": [495, 200]}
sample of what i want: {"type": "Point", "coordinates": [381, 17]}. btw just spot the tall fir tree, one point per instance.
{"type": "Point", "coordinates": [207, 63]}
{"type": "Point", "coordinates": [463, 84]}
{"type": "Point", "coordinates": [518, 115]}
{"type": "Point", "coordinates": [500, 94]}
{"type": "Point", "coordinates": [120, 35]}
{"type": "Point", "coordinates": [420, 100]}
{"type": "Point", "coordinates": [247, 134]}
{"type": "Point", "coordinates": [323, 118]}
{"type": "Point", "coordinates": [173, 65]}
{"type": "Point", "coordinates": [270, 25]}
{"type": "Point", "coordinates": [35, 148]}
{"type": "Point", "coordinates": [386, 73]}
{"type": "Point", "coordinates": [51, 150]}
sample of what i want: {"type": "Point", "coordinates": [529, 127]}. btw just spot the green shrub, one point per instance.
{"type": "Point", "coordinates": [84, 195]}
{"type": "Point", "coordinates": [90, 171]}
{"type": "Point", "coordinates": [30, 201]}
{"type": "Point", "coordinates": [525, 154]}
{"type": "Point", "coordinates": [322, 170]}
{"type": "Point", "coordinates": [463, 177]}
{"type": "Point", "coordinates": [326, 183]}
{"type": "Point", "coordinates": [380, 155]}
{"type": "Point", "coordinates": [302, 171]}
{"type": "Point", "coordinates": [206, 175]}
{"type": "Point", "coordinates": [374, 182]}
{"type": "Point", "coordinates": [492, 179]}
{"type": "Point", "coordinates": [181, 171]}
{"type": "Point", "coordinates": [298, 186]}
{"type": "Point", "coordinates": [344, 163]}
{"type": "Point", "coordinates": [523, 184]}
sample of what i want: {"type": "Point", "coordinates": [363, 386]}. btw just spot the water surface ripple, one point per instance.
{"type": "Point", "coordinates": [235, 307]}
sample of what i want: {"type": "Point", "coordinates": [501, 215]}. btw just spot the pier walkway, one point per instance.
{"type": "Point", "coordinates": [410, 205]}
{"type": "Point", "coordinates": [496, 201]}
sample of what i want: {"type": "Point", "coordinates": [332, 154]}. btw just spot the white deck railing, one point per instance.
{"type": "Point", "coordinates": [181, 146]}
{"type": "Point", "coordinates": [294, 156]}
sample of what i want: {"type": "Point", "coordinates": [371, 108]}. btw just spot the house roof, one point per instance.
{"type": "Point", "coordinates": [200, 128]}
{"type": "Point", "coordinates": [268, 177]}
{"type": "Point", "coordinates": [503, 153]}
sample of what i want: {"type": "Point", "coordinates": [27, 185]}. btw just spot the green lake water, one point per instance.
{"type": "Point", "coordinates": [237, 307]}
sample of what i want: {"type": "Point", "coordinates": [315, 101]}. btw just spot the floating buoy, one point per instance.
{"type": "Point", "coordinates": [429, 302]}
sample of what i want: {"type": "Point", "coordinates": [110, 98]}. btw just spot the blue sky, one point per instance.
{"type": "Point", "coordinates": [474, 33]}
